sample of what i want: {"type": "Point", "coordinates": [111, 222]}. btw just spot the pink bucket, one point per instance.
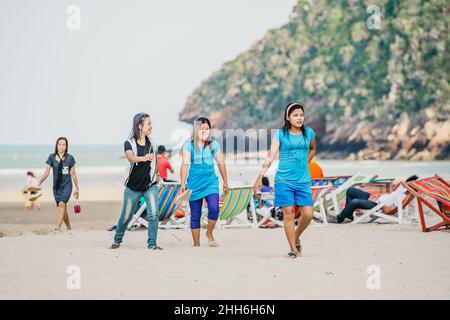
{"type": "Point", "coordinates": [77, 208]}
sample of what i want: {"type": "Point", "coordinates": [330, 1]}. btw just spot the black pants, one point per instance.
{"type": "Point", "coordinates": [355, 199]}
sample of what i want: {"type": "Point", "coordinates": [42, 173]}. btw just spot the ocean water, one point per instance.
{"type": "Point", "coordinates": [32, 157]}
{"type": "Point", "coordinates": [105, 166]}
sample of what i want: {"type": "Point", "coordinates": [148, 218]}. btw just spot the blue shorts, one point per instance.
{"type": "Point", "coordinates": [288, 194]}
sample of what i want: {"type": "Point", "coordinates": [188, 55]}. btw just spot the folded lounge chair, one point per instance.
{"type": "Point", "coordinates": [433, 188]}
{"type": "Point", "coordinates": [234, 208]}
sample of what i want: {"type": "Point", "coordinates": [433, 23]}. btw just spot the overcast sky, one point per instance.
{"type": "Point", "coordinates": [129, 56]}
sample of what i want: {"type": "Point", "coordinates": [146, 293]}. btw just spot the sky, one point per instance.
{"type": "Point", "coordinates": [127, 57]}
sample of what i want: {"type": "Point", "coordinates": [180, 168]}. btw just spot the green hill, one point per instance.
{"type": "Point", "coordinates": [369, 94]}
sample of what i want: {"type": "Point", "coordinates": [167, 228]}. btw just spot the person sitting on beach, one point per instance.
{"type": "Point", "coordinates": [164, 164]}
{"type": "Point", "coordinates": [266, 187]}
{"type": "Point", "coordinates": [357, 199]}
{"type": "Point", "coordinates": [315, 170]}
{"type": "Point", "coordinates": [31, 192]}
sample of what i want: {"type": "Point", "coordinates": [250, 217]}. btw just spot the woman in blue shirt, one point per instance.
{"type": "Point", "coordinates": [199, 154]}
{"type": "Point", "coordinates": [296, 145]}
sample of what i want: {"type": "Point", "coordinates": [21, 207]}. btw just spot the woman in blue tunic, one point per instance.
{"type": "Point", "coordinates": [296, 145]}
{"type": "Point", "coordinates": [199, 154]}
{"type": "Point", "coordinates": [63, 165]}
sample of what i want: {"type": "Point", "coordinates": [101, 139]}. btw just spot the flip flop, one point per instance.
{"type": "Point", "coordinates": [155, 248]}
{"type": "Point", "coordinates": [292, 255]}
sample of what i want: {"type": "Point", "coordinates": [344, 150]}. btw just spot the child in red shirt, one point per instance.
{"type": "Point", "coordinates": [163, 164]}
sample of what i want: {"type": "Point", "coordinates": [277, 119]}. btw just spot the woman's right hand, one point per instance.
{"type": "Point", "coordinates": [183, 188]}
{"type": "Point", "coordinates": [257, 185]}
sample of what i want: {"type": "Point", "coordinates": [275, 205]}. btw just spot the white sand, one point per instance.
{"type": "Point", "coordinates": [249, 264]}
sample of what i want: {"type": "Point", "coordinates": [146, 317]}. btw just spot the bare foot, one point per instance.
{"type": "Point", "coordinates": [210, 237]}
{"type": "Point", "coordinates": [211, 241]}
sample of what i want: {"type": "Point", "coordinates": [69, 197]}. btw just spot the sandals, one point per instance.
{"type": "Point", "coordinates": [292, 254]}
{"type": "Point", "coordinates": [155, 248]}
{"type": "Point", "coordinates": [115, 246]}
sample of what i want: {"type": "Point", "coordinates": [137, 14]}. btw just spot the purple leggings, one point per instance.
{"type": "Point", "coordinates": [196, 209]}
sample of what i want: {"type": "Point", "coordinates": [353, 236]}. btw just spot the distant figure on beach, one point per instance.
{"type": "Point", "coordinates": [63, 165]}
{"type": "Point", "coordinates": [164, 164]}
{"type": "Point", "coordinates": [142, 181]}
{"type": "Point", "coordinates": [199, 154]}
{"type": "Point", "coordinates": [296, 145]}
{"type": "Point", "coordinates": [357, 199]}
{"type": "Point", "coordinates": [266, 187]}
{"type": "Point", "coordinates": [31, 192]}
{"type": "Point", "coordinates": [315, 170]}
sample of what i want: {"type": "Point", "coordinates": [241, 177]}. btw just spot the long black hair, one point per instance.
{"type": "Point", "coordinates": [60, 165]}
{"type": "Point", "coordinates": [56, 145]}
{"type": "Point", "coordinates": [287, 112]}
{"type": "Point", "coordinates": [138, 119]}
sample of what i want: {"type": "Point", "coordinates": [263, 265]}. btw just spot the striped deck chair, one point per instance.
{"type": "Point", "coordinates": [234, 208]}
{"type": "Point", "coordinates": [168, 204]}
{"type": "Point", "coordinates": [335, 196]}
{"type": "Point", "coordinates": [376, 188]}
{"type": "Point", "coordinates": [434, 188]}
{"type": "Point", "coordinates": [397, 215]}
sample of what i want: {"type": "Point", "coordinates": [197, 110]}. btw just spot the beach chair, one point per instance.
{"type": "Point", "coordinates": [265, 213]}
{"type": "Point", "coordinates": [397, 215]}
{"type": "Point", "coordinates": [31, 194]}
{"type": "Point", "coordinates": [169, 201]}
{"type": "Point", "coordinates": [234, 208]}
{"type": "Point", "coordinates": [377, 188]}
{"type": "Point", "coordinates": [319, 213]}
{"type": "Point", "coordinates": [336, 195]}
{"type": "Point", "coordinates": [434, 188]}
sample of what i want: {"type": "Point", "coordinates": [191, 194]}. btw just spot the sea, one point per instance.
{"type": "Point", "coordinates": [105, 166]}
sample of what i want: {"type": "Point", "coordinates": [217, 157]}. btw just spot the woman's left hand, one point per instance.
{"type": "Point", "coordinates": [76, 194]}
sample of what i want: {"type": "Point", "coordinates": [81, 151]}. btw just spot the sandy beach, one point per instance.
{"type": "Point", "coordinates": [249, 264]}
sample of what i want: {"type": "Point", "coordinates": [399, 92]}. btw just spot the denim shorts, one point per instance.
{"type": "Point", "coordinates": [288, 194]}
